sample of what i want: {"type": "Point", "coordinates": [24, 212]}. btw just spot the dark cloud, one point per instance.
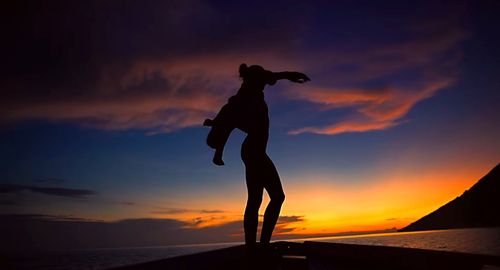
{"type": "Point", "coordinates": [199, 221]}
{"type": "Point", "coordinates": [170, 211]}
{"type": "Point", "coordinates": [63, 231]}
{"type": "Point", "coordinates": [64, 192]}
{"type": "Point", "coordinates": [211, 211]}
{"type": "Point", "coordinates": [287, 225]}
{"type": "Point", "coordinates": [55, 191]}
{"type": "Point", "coordinates": [128, 203]}
{"type": "Point", "coordinates": [160, 66]}
{"type": "Point", "coordinates": [154, 65]}
{"type": "Point", "coordinates": [47, 217]}
{"type": "Point", "coordinates": [8, 202]}
{"type": "Point", "coordinates": [38, 231]}
{"type": "Point", "coordinates": [51, 180]}
{"type": "Point", "coordinates": [44, 231]}
{"type": "Point", "coordinates": [290, 219]}
{"type": "Point", "coordinates": [209, 220]}
{"type": "Point", "coordinates": [8, 188]}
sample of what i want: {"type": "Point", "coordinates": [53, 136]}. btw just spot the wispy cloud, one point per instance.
{"type": "Point", "coordinates": [154, 76]}
{"type": "Point", "coordinates": [55, 191]}
{"type": "Point", "coordinates": [290, 219]}
{"type": "Point", "coordinates": [211, 211]}
{"type": "Point", "coordinates": [127, 203]}
{"type": "Point", "coordinates": [384, 82]}
{"type": "Point", "coordinates": [47, 217]}
{"type": "Point", "coordinates": [17, 231]}
{"type": "Point", "coordinates": [288, 224]}
{"type": "Point", "coordinates": [173, 211]}
{"type": "Point", "coordinates": [64, 231]}
{"type": "Point", "coordinates": [51, 180]}
{"type": "Point", "coordinates": [374, 109]}
{"type": "Point", "coordinates": [160, 78]}
{"type": "Point", "coordinates": [170, 211]}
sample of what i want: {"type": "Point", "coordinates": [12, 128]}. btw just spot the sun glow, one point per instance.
{"type": "Point", "coordinates": [390, 203]}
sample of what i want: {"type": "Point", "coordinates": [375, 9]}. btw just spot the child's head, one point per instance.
{"type": "Point", "coordinates": [256, 74]}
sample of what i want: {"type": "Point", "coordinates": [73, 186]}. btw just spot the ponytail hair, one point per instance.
{"type": "Point", "coordinates": [243, 70]}
{"type": "Point", "coordinates": [256, 73]}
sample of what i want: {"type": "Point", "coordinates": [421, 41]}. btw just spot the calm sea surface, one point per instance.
{"type": "Point", "coordinates": [482, 241]}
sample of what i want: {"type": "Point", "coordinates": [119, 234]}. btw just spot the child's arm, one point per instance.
{"type": "Point", "coordinates": [217, 160]}
{"type": "Point", "coordinates": [220, 136]}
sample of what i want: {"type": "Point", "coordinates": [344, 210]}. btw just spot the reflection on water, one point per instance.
{"type": "Point", "coordinates": [104, 258]}
{"type": "Point", "coordinates": [482, 241]}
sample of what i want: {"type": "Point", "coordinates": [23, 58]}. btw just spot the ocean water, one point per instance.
{"type": "Point", "coordinates": [102, 258]}
{"type": "Point", "coordinates": [480, 241]}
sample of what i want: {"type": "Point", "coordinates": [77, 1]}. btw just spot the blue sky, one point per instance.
{"type": "Point", "coordinates": [103, 103]}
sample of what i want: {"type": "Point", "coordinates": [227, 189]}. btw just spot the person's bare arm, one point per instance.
{"type": "Point", "coordinates": [293, 76]}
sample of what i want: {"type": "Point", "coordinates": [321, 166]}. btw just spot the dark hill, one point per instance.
{"type": "Point", "coordinates": [477, 207]}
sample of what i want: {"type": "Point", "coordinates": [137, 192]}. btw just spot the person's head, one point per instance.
{"type": "Point", "coordinates": [256, 75]}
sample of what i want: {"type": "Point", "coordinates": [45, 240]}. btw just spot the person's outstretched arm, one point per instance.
{"type": "Point", "coordinates": [293, 76]}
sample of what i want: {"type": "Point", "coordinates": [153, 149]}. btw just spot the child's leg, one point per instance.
{"type": "Point", "coordinates": [217, 160]}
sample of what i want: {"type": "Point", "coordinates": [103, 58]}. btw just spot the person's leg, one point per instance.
{"type": "Point", "coordinates": [272, 184]}
{"type": "Point", "coordinates": [254, 200]}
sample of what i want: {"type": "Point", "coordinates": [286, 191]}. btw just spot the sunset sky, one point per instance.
{"type": "Point", "coordinates": [102, 104]}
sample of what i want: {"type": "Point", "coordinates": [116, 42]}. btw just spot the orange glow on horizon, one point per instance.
{"type": "Point", "coordinates": [391, 203]}
{"type": "Point", "coordinates": [325, 205]}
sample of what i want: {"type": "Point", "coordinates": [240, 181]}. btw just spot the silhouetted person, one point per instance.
{"type": "Point", "coordinates": [247, 111]}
